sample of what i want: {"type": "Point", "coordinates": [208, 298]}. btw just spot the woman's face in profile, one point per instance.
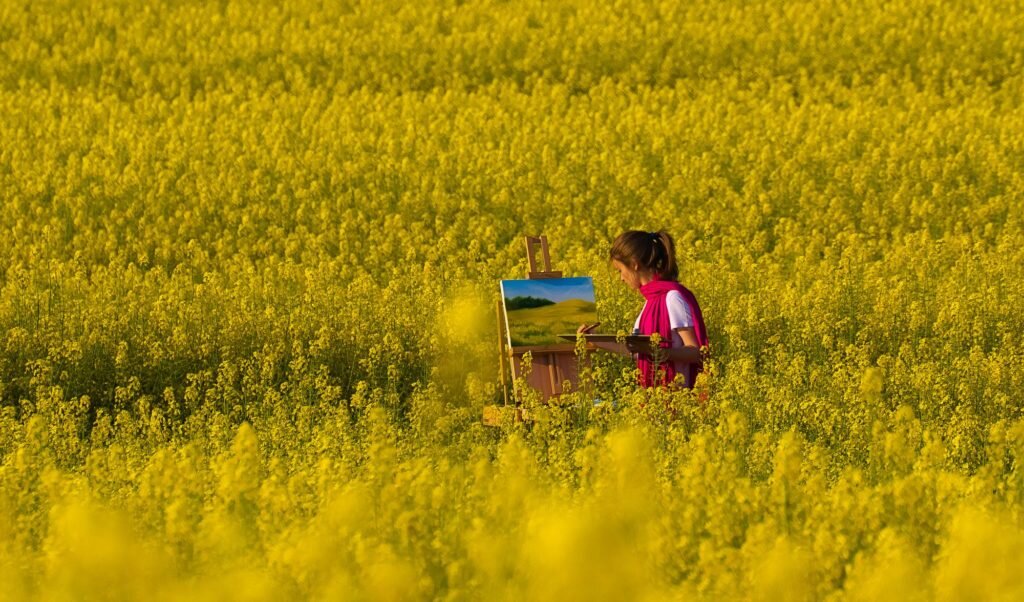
{"type": "Point", "coordinates": [627, 274]}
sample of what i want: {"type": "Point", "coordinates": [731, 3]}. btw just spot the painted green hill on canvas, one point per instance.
{"type": "Point", "coordinates": [542, 325]}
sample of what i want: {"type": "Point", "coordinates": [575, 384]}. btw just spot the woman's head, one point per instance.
{"type": "Point", "coordinates": [640, 255]}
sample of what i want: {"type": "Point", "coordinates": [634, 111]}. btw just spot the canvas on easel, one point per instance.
{"type": "Point", "coordinates": [538, 311]}
{"type": "Point", "coordinates": [532, 314]}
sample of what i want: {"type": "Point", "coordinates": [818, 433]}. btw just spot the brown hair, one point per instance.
{"type": "Point", "coordinates": [654, 251]}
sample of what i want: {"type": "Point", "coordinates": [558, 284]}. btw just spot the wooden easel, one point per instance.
{"type": "Point", "coordinates": [551, 365]}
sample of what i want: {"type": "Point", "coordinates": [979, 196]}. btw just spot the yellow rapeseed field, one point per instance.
{"type": "Point", "coordinates": [250, 252]}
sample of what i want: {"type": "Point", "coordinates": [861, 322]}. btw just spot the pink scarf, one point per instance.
{"type": "Point", "coordinates": [654, 318]}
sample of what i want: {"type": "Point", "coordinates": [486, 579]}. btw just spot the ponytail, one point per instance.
{"type": "Point", "coordinates": [651, 251]}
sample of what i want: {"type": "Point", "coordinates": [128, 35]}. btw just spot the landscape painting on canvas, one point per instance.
{"type": "Point", "coordinates": [537, 311]}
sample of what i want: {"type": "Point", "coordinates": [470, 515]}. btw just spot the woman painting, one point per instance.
{"type": "Point", "coordinates": [646, 262]}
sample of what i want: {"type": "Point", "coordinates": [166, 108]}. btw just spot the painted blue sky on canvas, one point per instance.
{"type": "Point", "coordinates": [555, 289]}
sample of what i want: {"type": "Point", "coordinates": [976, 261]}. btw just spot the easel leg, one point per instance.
{"type": "Point", "coordinates": [553, 374]}
{"type": "Point", "coordinates": [502, 356]}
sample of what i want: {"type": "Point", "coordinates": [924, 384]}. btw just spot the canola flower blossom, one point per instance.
{"type": "Point", "coordinates": [250, 254]}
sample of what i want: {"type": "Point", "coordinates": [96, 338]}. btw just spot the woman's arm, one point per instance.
{"type": "Point", "coordinates": [689, 352]}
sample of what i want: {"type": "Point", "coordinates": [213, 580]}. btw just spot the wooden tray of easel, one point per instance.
{"type": "Point", "coordinates": [551, 366]}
